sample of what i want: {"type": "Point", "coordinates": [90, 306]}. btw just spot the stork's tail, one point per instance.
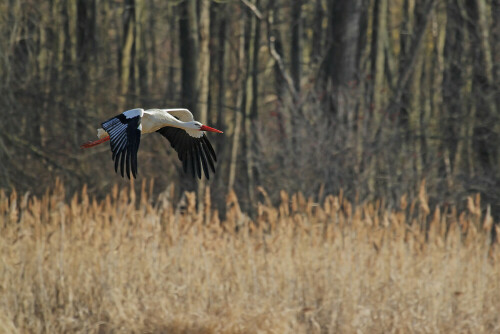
{"type": "Point", "coordinates": [94, 143]}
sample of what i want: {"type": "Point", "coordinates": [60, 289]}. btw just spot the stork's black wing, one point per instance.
{"type": "Point", "coordinates": [125, 135]}
{"type": "Point", "coordinates": [195, 153]}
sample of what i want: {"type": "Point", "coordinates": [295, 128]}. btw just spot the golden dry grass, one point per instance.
{"type": "Point", "coordinates": [123, 265]}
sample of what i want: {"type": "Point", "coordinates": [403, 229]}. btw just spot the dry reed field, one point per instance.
{"type": "Point", "coordinates": [125, 265]}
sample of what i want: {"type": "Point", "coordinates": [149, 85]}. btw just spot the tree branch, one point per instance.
{"type": "Point", "coordinates": [271, 40]}
{"type": "Point", "coordinates": [37, 152]}
{"type": "Point", "coordinates": [253, 9]}
{"type": "Point", "coordinates": [279, 61]}
{"type": "Point", "coordinates": [414, 53]}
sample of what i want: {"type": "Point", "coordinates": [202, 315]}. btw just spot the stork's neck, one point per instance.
{"type": "Point", "coordinates": [172, 121]}
{"type": "Point", "coordinates": [155, 119]}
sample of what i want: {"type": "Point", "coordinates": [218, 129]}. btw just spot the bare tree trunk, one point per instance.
{"type": "Point", "coordinates": [188, 29]}
{"type": "Point", "coordinates": [127, 53]}
{"type": "Point", "coordinates": [222, 59]}
{"type": "Point", "coordinates": [407, 63]}
{"type": "Point", "coordinates": [238, 113]}
{"type": "Point", "coordinates": [203, 80]}
{"type": "Point", "coordinates": [378, 57]}
{"type": "Point", "coordinates": [85, 37]}
{"type": "Point", "coordinates": [171, 89]}
{"type": "Point", "coordinates": [414, 122]}
{"type": "Point", "coordinates": [274, 32]}
{"type": "Point", "coordinates": [484, 32]}
{"type": "Point", "coordinates": [343, 71]}
{"type": "Point", "coordinates": [316, 47]}
{"type": "Point", "coordinates": [255, 92]}
{"type": "Point", "coordinates": [408, 26]}
{"type": "Point", "coordinates": [434, 123]}
{"type": "Point", "coordinates": [379, 37]}
{"type": "Point", "coordinates": [66, 62]}
{"type": "Point", "coordinates": [221, 149]}
{"type": "Point", "coordinates": [70, 57]}
{"type": "Point", "coordinates": [151, 32]}
{"type": "Point", "coordinates": [189, 51]}
{"type": "Point", "coordinates": [295, 47]}
{"type": "Point", "coordinates": [495, 12]}
{"type": "Point", "coordinates": [85, 52]}
{"type": "Point", "coordinates": [467, 111]}
{"type": "Point", "coordinates": [452, 81]}
{"type": "Point", "coordinates": [141, 65]}
{"type": "Point", "coordinates": [251, 103]}
{"type": "Point", "coordinates": [344, 27]}
{"type": "Point", "coordinates": [488, 69]}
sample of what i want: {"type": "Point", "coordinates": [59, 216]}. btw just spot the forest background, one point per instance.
{"type": "Point", "coordinates": [357, 182]}
{"type": "Point", "coordinates": [368, 96]}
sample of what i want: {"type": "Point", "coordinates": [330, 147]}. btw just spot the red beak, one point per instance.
{"type": "Point", "coordinates": [207, 128]}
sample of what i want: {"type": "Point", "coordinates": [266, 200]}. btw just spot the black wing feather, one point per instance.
{"type": "Point", "coordinates": [208, 156]}
{"type": "Point", "coordinates": [127, 163]}
{"type": "Point", "coordinates": [194, 153]}
{"type": "Point", "coordinates": [210, 148]}
{"type": "Point", "coordinates": [203, 160]}
{"type": "Point", "coordinates": [125, 136]}
{"type": "Point", "coordinates": [122, 165]}
{"type": "Point", "coordinates": [117, 161]}
{"type": "Point", "coordinates": [196, 158]}
{"type": "Point", "coordinates": [135, 147]}
{"type": "Point", "coordinates": [191, 161]}
{"type": "Point", "coordinates": [182, 153]}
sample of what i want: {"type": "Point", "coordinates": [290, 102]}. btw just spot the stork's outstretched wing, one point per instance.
{"type": "Point", "coordinates": [183, 115]}
{"type": "Point", "coordinates": [195, 153]}
{"type": "Point", "coordinates": [125, 136]}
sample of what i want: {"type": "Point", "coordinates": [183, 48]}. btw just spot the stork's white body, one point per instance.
{"type": "Point", "coordinates": [178, 126]}
{"type": "Point", "coordinates": [154, 119]}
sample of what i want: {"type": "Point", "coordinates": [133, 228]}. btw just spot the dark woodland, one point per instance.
{"type": "Point", "coordinates": [368, 97]}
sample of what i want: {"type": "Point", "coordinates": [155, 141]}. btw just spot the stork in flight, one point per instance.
{"type": "Point", "coordinates": [186, 136]}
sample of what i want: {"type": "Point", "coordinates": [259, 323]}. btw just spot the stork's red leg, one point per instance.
{"type": "Point", "coordinates": [94, 143]}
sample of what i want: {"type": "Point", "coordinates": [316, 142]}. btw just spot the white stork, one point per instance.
{"type": "Point", "coordinates": [186, 136]}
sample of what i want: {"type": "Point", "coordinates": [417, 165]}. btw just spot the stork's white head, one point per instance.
{"type": "Point", "coordinates": [195, 125]}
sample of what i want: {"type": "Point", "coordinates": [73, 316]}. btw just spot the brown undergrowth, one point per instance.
{"type": "Point", "coordinates": [126, 265]}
